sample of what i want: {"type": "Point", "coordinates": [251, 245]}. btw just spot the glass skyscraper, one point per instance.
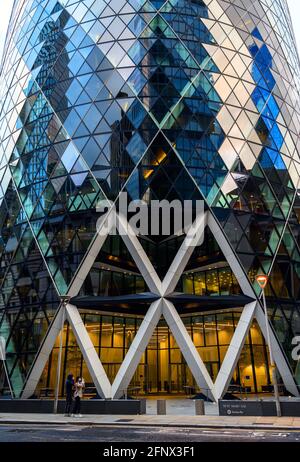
{"type": "Point", "coordinates": [164, 100]}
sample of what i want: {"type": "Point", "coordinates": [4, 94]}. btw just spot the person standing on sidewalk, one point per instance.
{"type": "Point", "coordinates": [69, 394]}
{"type": "Point", "coordinates": [78, 395]}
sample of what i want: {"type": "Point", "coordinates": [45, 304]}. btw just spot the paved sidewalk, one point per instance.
{"type": "Point", "coordinates": [283, 423]}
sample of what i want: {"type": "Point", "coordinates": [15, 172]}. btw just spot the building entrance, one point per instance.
{"type": "Point", "coordinates": [162, 369]}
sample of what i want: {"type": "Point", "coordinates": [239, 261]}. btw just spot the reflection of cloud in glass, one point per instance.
{"type": "Point", "coordinates": [294, 7]}
{"type": "Point", "coordinates": [4, 18]}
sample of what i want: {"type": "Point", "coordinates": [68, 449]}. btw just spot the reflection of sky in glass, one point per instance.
{"type": "Point", "coordinates": [266, 103]}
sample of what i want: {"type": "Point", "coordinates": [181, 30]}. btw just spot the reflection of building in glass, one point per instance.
{"type": "Point", "coordinates": [120, 161]}
{"type": "Point", "coordinates": [162, 100]}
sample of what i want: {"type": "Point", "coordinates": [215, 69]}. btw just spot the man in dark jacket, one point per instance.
{"type": "Point", "coordinates": [69, 394]}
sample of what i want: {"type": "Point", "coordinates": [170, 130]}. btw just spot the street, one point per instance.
{"type": "Point", "coordinates": [115, 433]}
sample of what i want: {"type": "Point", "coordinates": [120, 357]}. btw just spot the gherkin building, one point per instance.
{"type": "Point", "coordinates": [176, 100]}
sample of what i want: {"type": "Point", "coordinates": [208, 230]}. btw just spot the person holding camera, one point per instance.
{"type": "Point", "coordinates": [78, 395]}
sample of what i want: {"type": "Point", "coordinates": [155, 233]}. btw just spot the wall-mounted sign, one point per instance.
{"type": "Point", "coordinates": [262, 280]}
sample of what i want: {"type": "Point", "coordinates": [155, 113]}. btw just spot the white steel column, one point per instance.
{"type": "Point", "coordinates": [247, 288]}
{"type": "Point", "coordinates": [92, 253]}
{"type": "Point", "coordinates": [89, 353]}
{"type": "Point", "coordinates": [188, 349]}
{"type": "Point", "coordinates": [161, 307]}
{"type": "Point", "coordinates": [136, 350]}
{"type": "Point", "coordinates": [43, 355]}
{"type": "Point", "coordinates": [139, 255]}
{"type": "Point", "coordinates": [279, 357]}
{"type": "Point", "coordinates": [183, 255]}
{"type": "Point", "coordinates": [230, 256]}
{"type": "Point", "coordinates": [234, 350]}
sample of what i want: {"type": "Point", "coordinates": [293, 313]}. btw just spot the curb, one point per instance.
{"type": "Point", "coordinates": [155, 425]}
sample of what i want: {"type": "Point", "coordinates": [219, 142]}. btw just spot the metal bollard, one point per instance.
{"type": "Point", "coordinates": [161, 407]}
{"type": "Point", "coordinates": [199, 407]}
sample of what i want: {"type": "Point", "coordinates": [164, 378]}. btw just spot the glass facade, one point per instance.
{"type": "Point", "coordinates": [162, 368]}
{"type": "Point", "coordinates": [175, 99]}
